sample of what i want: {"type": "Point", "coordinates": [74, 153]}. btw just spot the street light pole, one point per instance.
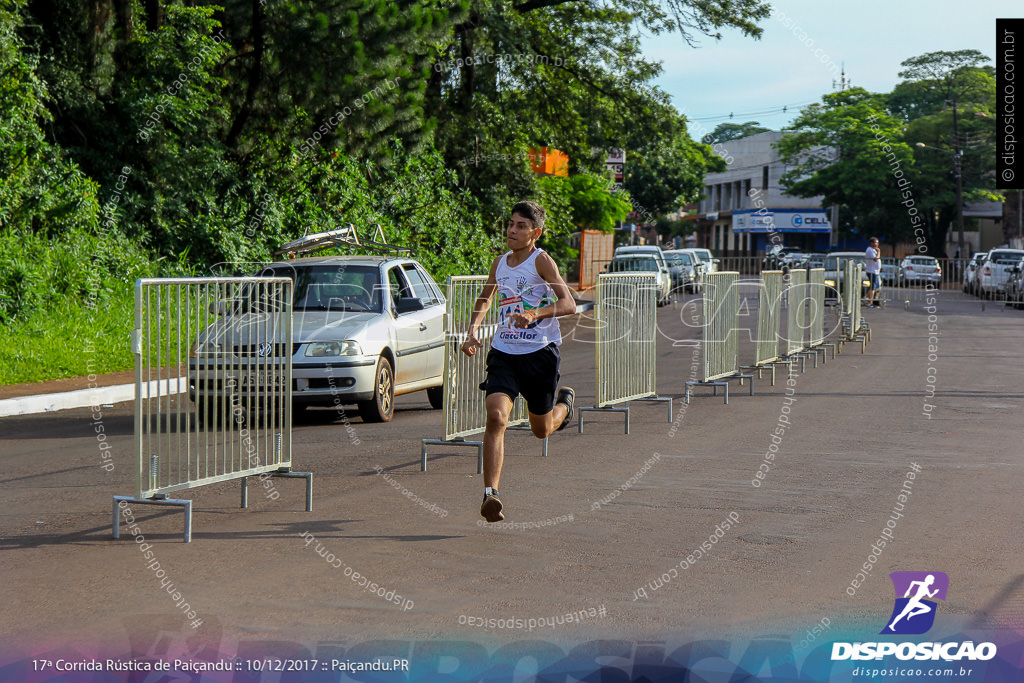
{"type": "Point", "coordinates": [957, 158]}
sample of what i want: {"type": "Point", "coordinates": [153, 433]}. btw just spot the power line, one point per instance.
{"type": "Point", "coordinates": [777, 110]}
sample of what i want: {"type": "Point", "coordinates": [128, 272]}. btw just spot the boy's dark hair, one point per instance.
{"type": "Point", "coordinates": [532, 211]}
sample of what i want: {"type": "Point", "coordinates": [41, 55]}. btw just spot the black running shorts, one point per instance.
{"type": "Point", "coordinates": [534, 375]}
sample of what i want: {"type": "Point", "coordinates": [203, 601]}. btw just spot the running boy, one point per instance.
{"type": "Point", "coordinates": [524, 355]}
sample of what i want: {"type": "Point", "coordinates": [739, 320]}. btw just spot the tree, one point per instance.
{"type": "Point", "coordinates": [940, 97]}
{"type": "Point", "coordinates": [662, 178]}
{"type": "Point", "coordinates": [54, 241]}
{"type": "Point", "coordinates": [850, 151]}
{"type": "Point", "coordinates": [725, 132]}
{"type": "Point", "coordinates": [562, 74]}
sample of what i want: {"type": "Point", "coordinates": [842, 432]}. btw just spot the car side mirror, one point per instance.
{"type": "Point", "coordinates": [408, 305]}
{"type": "Point", "coordinates": [218, 308]}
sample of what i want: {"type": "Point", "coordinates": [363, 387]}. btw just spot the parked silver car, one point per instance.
{"type": "Point", "coordinates": [365, 329]}
{"type": "Point", "coordinates": [919, 270]}
{"type": "Point", "coordinates": [970, 284]}
{"type": "Point", "coordinates": [890, 270]}
{"type": "Point", "coordinates": [684, 270]}
{"type": "Point", "coordinates": [1015, 286]}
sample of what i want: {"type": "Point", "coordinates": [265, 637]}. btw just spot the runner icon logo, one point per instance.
{"type": "Point", "coordinates": [914, 609]}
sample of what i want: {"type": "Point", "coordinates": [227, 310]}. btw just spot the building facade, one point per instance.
{"type": "Point", "coordinates": [745, 210]}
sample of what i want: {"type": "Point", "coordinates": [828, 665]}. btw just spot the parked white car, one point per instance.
{"type": "Point", "coordinates": [644, 263]}
{"type": "Point", "coordinates": [365, 329]}
{"type": "Point", "coordinates": [706, 257]}
{"type": "Point", "coordinates": [994, 272]}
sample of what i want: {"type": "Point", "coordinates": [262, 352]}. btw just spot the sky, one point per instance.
{"type": "Point", "coordinates": [804, 45]}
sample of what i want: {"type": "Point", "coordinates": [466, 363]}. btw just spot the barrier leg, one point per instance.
{"type": "Point", "coordinates": [714, 386]}
{"type": "Point", "coordinates": [453, 442]}
{"type": "Point", "coordinates": [308, 476]}
{"type": "Point", "coordinates": [186, 506]}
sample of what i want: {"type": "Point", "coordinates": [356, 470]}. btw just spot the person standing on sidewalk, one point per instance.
{"type": "Point", "coordinates": [524, 357]}
{"type": "Point", "coordinates": [873, 269]}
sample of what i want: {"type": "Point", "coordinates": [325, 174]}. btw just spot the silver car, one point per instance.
{"type": "Point", "coordinates": [920, 270]}
{"type": "Point", "coordinates": [683, 268]}
{"type": "Point", "coordinates": [970, 282]}
{"type": "Point", "coordinates": [890, 271]}
{"type": "Point", "coordinates": [365, 329]}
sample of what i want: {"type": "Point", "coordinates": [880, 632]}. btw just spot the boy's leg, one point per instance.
{"type": "Point", "coordinates": [499, 406]}
{"type": "Point", "coordinates": [547, 424]}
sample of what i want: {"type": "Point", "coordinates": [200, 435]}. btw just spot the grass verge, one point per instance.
{"type": "Point", "coordinates": [69, 340]}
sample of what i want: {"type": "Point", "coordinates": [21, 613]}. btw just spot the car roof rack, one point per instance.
{"type": "Point", "coordinates": [346, 236]}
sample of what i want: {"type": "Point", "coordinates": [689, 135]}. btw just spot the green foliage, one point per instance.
{"type": "Point", "coordinates": [563, 74]}
{"type": "Point", "coordinates": [725, 132]}
{"type": "Point", "coordinates": [662, 178]}
{"type": "Point", "coordinates": [149, 138]}
{"type": "Point", "coordinates": [673, 227]}
{"type": "Point", "coordinates": [590, 198]}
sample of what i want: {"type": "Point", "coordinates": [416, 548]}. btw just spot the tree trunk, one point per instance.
{"type": "Point", "coordinates": [1011, 216]}
{"type": "Point", "coordinates": [255, 73]}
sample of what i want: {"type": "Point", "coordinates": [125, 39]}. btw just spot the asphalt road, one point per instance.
{"type": "Point", "coordinates": [615, 523]}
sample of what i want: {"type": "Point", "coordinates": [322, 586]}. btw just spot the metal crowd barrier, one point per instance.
{"type": "Point", "coordinates": [769, 313]}
{"type": "Point", "coordinates": [719, 333]}
{"type": "Point", "coordinates": [626, 336]}
{"type": "Point", "coordinates": [796, 312]}
{"type": "Point", "coordinates": [816, 323]}
{"type": "Point", "coordinates": [213, 386]}
{"type": "Point", "coordinates": [852, 320]}
{"type": "Point", "coordinates": [796, 344]}
{"type": "Point", "coordinates": [465, 409]}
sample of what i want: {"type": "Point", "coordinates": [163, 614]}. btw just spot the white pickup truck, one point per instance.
{"type": "Point", "coordinates": [994, 272]}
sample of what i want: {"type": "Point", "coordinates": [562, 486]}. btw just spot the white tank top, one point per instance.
{"type": "Point", "coordinates": [522, 289]}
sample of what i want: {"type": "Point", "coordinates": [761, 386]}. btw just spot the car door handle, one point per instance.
{"type": "Point", "coordinates": [423, 327]}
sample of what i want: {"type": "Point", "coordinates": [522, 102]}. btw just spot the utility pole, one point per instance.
{"type": "Point", "coordinates": [957, 161]}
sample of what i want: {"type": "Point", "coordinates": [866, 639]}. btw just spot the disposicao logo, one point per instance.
{"type": "Point", "coordinates": [914, 611]}
{"type": "Point", "coordinates": [913, 614]}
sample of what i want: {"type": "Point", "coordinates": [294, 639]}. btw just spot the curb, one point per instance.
{"type": "Point", "coordinates": [81, 398]}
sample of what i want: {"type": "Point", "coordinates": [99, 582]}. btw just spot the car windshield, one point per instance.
{"type": "Point", "coordinates": [633, 264]}
{"type": "Point", "coordinates": [341, 287]}
{"type": "Point", "coordinates": [923, 261]}
{"type": "Point", "coordinates": [677, 259]}
{"type": "Point", "coordinates": [704, 254]}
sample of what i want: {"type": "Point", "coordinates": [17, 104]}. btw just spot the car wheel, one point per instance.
{"type": "Point", "coordinates": [436, 397]}
{"type": "Point", "coordinates": [380, 408]}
